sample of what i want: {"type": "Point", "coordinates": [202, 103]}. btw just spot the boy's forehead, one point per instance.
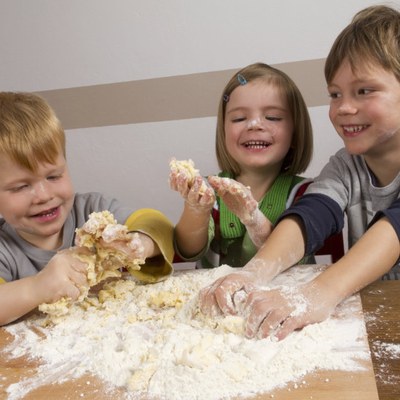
{"type": "Point", "coordinates": [10, 165]}
{"type": "Point", "coordinates": [361, 71]}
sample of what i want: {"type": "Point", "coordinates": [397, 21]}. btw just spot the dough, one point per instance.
{"type": "Point", "coordinates": [99, 230]}
{"type": "Point", "coordinates": [187, 168]}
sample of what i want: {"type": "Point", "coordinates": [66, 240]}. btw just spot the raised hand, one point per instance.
{"type": "Point", "coordinates": [188, 182]}
{"type": "Point", "coordinates": [240, 201]}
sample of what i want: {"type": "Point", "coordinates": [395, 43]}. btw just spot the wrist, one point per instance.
{"type": "Point", "coordinates": [150, 248]}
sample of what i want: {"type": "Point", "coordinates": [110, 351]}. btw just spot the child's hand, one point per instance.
{"type": "Point", "coordinates": [62, 276]}
{"type": "Point", "coordinates": [240, 201]}
{"type": "Point", "coordinates": [135, 246]}
{"type": "Point", "coordinates": [237, 197]}
{"type": "Point", "coordinates": [196, 193]}
{"type": "Point", "coordinates": [219, 297]}
{"type": "Point", "coordinates": [278, 312]}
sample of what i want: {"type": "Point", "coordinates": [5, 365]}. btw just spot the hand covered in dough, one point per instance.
{"type": "Point", "coordinates": [133, 245]}
{"type": "Point", "coordinates": [63, 276]}
{"type": "Point", "coordinates": [188, 182]}
{"type": "Point", "coordinates": [240, 201]}
{"type": "Point", "coordinates": [278, 312]}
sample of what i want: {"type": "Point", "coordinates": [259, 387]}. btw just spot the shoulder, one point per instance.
{"type": "Point", "coordinates": [86, 203]}
{"type": "Point", "coordinates": [300, 186]}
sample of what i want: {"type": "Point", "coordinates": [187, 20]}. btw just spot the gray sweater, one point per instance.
{"type": "Point", "coordinates": [346, 186]}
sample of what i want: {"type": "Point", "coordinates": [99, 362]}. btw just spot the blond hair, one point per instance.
{"type": "Point", "coordinates": [30, 132]}
{"type": "Point", "coordinates": [372, 37]}
{"type": "Point", "coordinates": [300, 153]}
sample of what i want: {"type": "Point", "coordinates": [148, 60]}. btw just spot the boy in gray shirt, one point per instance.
{"type": "Point", "coordinates": [40, 212]}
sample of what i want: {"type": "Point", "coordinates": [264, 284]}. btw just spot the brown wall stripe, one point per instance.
{"type": "Point", "coordinates": [168, 98]}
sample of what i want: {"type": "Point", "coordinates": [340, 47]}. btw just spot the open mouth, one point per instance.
{"type": "Point", "coordinates": [47, 213]}
{"type": "Point", "coordinates": [354, 129]}
{"type": "Point", "coordinates": [256, 144]}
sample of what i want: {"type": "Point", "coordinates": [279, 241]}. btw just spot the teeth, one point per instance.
{"type": "Point", "coordinates": [354, 129]}
{"type": "Point", "coordinates": [257, 144]}
{"type": "Point", "coordinates": [46, 213]}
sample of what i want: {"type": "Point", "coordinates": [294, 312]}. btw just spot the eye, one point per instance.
{"type": "Point", "coordinates": [364, 91]}
{"type": "Point", "coordinates": [54, 177]}
{"type": "Point", "coordinates": [271, 118]}
{"type": "Point", "coordinates": [19, 188]}
{"type": "Point", "coordinates": [334, 95]}
{"type": "Point", "coordinates": [238, 119]}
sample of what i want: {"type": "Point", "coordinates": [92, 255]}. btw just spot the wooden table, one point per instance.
{"type": "Point", "coordinates": [381, 304]}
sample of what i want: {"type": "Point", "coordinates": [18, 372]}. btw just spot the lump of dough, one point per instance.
{"type": "Point", "coordinates": [187, 168]}
{"type": "Point", "coordinates": [103, 263]}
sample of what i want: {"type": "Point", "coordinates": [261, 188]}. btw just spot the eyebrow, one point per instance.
{"type": "Point", "coordinates": [269, 108]}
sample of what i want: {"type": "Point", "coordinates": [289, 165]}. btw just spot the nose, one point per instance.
{"type": "Point", "coordinates": [42, 192]}
{"type": "Point", "coordinates": [255, 123]}
{"type": "Point", "coordinates": [347, 106]}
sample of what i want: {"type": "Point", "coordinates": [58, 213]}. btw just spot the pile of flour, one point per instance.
{"type": "Point", "coordinates": [152, 339]}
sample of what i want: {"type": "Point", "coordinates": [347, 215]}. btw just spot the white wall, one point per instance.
{"type": "Point", "coordinates": [54, 44]}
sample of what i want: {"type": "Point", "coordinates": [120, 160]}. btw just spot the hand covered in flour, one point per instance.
{"type": "Point", "coordinates": [64, 274]}
{"type": "Point", "coordinates": [221, 296]}
{"type": "Point", "coordinates": [187, 181]}
{"type": "Point", "coordinates": [278, 312]}
{"type": "Point", "coordinates": [227, 293]}
{"type": "Point", "coordinates": [240, 201]}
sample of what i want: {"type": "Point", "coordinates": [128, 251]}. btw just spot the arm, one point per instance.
{"type": "Point", "coordinates": [191, 231]}
{"type": "Point", "coordinates": [284, 247]}
{"type": "Point", "coordinates": [300, 230]}
{"type": "Point", "coordinates": [61, 277]}
{"type": "Point", "coordinates": [275, 312]}
{"type": "Point", "coordinates": [239, 200]}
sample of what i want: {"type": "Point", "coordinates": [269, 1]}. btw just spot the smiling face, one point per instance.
{"type": "Point", "coordinates": [36, 203]}
{"type": "Point", "coordinates": [258, 126]}
{"type": "Point", "coordinates": [365, 110]}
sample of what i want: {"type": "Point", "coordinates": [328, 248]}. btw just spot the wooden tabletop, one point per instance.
{"type": "Point", "coordinates": [381, 305]}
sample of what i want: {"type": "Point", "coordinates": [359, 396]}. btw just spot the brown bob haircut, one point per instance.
{"type": "Point", "coordinates": [300, 153]}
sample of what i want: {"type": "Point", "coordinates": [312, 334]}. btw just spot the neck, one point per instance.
{"type": "Point", "coordinates": [259, 182]}
{"type": "Point", "coordinates": [386, 166]}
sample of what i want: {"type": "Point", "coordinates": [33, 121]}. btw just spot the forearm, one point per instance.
{"type": "Point", "coordinates": [259, 228]}
{"type": "Point", "coordinates": [17, 299]}
{"type": "Point", "coordinates": [283, 248]}
{"type": "Point", "coordinates": [371, 257]}
{"type": "Point", "coordinates": [191, 231]}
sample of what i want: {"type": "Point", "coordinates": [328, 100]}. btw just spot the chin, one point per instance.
{"type": "Point", "coordinates": [355, 150]}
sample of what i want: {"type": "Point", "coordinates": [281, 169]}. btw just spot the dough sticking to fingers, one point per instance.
{"type": "Point", "coordinates": [102, 262]}
{"type": "Point", "coordinates": [187, 168]}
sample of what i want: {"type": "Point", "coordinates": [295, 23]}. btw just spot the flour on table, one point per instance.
{"type": "Point", "coordinates": [152, 340]}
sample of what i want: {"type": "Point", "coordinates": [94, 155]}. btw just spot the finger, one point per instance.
{"type": "Point", "coordinates": [287, 327]}
{"type": "Point", "coordinates": [182, 184]}
{"type": "Point", "coordinates": [254, 322]}
{"type": "Point", "coordinates": [225, 292]}
{"type": "Point", "coordinates": [208, 304]}
{"type": "Point", "coordinates": [271, 324]}
{"type": "Point", "coordinates": [72, 292]}
{"type": "Point", "coordinates": [207, 198]}
{"type": "Point", "coordinates": [77, 278]}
